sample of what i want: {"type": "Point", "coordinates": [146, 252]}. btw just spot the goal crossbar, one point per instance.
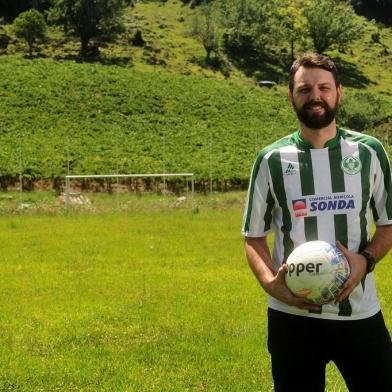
{"type": "Point", "coordinates": [70, 177]}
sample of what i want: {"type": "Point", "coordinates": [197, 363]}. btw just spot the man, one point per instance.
{"type": "Point", "coordinates": [322, 162]}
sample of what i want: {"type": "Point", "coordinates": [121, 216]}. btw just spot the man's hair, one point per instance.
{"type": "Point", "coordinates": [313, 60]}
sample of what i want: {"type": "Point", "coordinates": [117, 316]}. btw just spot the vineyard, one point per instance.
{"type": "Point", "coordinates": [59, 118]}
{"type": "Point", "coordinates": [63, 117]}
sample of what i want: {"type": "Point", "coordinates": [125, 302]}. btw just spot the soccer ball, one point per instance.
{"type": "Point", "coordinates": [317, 271]}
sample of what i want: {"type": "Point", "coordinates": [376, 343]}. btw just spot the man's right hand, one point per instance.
{"type": "Point", "coordinates": [278, 289]}
{"type": "Point", "coordinates": [274, 283]}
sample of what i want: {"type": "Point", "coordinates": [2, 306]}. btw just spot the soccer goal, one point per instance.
{"type": "Point", "coordinates": [70, 196]}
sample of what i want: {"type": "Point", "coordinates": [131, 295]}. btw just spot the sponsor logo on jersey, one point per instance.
{"type": "Point", "coordinates": [290, 170]}
{"type": "Point", "coordinates": [314, 205]}
{"type": "Point", "coordinates": [328, 205]}
{"type": "Point", "coordinates": [351, 165]}
{"type": "Point", "coordinates": [299, 207]}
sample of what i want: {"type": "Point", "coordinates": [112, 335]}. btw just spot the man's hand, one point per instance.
{"type": "Point", "coordinates": [273, 282]}
{"type": "Point", "coordinates": [278, 289]}
{"type": "Point", "coordinates": [357, 271]}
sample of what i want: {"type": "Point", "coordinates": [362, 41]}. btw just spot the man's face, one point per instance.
{"type": "Point", "coordinates": [315, 97]}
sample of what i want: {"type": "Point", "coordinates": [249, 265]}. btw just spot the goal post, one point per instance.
{"type": "Point", "coordinates": [117, 176]}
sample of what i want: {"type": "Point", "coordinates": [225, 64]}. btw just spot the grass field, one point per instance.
{"type": "Point", "coordinates": [158, 300]}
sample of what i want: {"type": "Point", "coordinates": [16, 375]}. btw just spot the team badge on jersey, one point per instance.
{"type": "Point", "coordinates": [351, 165]}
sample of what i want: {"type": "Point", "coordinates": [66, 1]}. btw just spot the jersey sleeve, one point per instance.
{"type": "Point", "coordinates": [382, 192]}
{"type": "Point", "coordinates": [259, 206]}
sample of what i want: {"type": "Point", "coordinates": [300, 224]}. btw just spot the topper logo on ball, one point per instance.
{"type": "Point", "coordinates": [301, 267]}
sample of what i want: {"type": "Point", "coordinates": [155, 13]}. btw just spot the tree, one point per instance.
{"type": "Point", "coordinates": [249, 26]}
{"type": "Point", "coordinates": [206, 29]}
{"type": "Point", "coordinates": [89, 19]}
{"type": "Point", "coordinates": [293, 22]}
{"type": "Point", "coordinates": [332, 24]}
{"type": "Point", "coordinates": [30, 26]}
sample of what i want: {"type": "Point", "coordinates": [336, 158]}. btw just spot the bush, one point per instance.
{"type": "Point", "coordinates": [361, 111]}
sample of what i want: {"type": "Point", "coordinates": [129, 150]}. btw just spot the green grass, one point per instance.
{"type": "Point", "coordinates": [141, 301]}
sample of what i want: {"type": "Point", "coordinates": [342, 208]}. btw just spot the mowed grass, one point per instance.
{"type": "Point", "coordinates": [144, 301]}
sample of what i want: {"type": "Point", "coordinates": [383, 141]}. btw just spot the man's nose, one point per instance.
{"type": "Point", "coordinates": [315, 94]}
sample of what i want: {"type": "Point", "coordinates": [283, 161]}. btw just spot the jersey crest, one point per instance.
{"type": "Point", "coordinates": [351, 165]}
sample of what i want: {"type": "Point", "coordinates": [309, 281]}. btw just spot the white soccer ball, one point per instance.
{"type": "Point", "coordinates": [317, 271]}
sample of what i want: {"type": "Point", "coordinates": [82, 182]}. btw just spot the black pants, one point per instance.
{"type": "Point", "coordinates": [301, 347]}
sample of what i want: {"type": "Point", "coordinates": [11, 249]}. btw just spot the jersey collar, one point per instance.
{"type": "Point", "coordinates": [330, 143]}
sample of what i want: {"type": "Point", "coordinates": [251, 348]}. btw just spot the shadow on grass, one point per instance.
{"type": "Point", "coordinates": [275, 66]}
{"type": "Point", "coordinates": [262, 66]}
{"type": "Point", "coordinates": [350, 75]}
{"type": "Point", "coordinates": [36, 55]}
{"type": "Point", "coordinates": [122, 61]}
{"type": "Point", "coordinates": [265, 67]}
{"type": "Point", "coordinates": [215, 63]}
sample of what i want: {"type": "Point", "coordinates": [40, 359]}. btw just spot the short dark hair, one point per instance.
{"type": "Point", "coordinates": [313, 60]}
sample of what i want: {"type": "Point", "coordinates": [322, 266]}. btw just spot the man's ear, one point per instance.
{"type": "Point", "coordinates": [290, 95]}
{"type": "Point", "coordinates": [339, 91]}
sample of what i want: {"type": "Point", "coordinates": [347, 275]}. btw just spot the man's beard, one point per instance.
{"type": "Point", "coordinates": [314, 120]}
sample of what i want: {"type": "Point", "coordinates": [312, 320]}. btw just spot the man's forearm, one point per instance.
{"type": "Point", "coordinates": [259, 259]}
{"type": "Point", "coordinates": [381, 242]}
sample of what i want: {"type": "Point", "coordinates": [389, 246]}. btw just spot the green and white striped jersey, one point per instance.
{"type": "Point", "coordinates": [305, 194]}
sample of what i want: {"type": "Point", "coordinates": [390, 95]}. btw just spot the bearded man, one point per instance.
{"type": "Point", "coordinates": [321, 161]}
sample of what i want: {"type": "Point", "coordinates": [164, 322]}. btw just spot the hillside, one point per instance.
{"type": "Point", "coordinates": [159, 108]}
{"type": "Point", "coordinates": [169, 47]}
{"type": "Point", "coordinates": [100, 119]}
{"type": "Point", "coordinates": [166, 26]}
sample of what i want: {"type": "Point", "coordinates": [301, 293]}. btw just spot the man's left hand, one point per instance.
{"type": "Point", "coordinates": [357, 271]}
